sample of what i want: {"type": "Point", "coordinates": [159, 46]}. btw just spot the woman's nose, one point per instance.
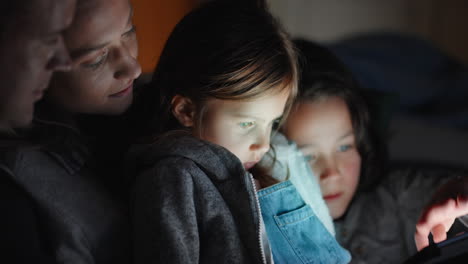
{"type": "Point", "coordinates": [129, 67]}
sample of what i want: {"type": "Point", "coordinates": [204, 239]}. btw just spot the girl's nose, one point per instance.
{"type": "Point", "coordinates": [262, 144]}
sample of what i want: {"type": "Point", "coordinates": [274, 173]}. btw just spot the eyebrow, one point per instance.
{"type": "Point", "coordinates": [254, 117]}
{"type": "Point", "coordinates": [248, 116]}
{"type": "Point", "coordinates": [84, 51]}
{"type": "Point", "coordinates": [350, 133]}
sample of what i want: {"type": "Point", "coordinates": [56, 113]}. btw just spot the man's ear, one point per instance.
{"type": "Point", "coordinates": [184, 110]}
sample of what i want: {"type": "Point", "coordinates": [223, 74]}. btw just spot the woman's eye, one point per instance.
{"type": "Point", "coordinates": [246, 125]}
{"type": "Point", "coordinates": [344, 148]}
{"type": "Point", "coordinates": [131, 31]}
{"type": "Point", "coordinates": [97, 62]}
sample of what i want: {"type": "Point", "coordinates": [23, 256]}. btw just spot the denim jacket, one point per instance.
{"type": "Point", "coordinates": [297, 220]}
{"type": "Point", "coordinates": [295, 233]}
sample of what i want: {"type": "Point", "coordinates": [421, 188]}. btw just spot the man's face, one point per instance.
{"type": "Point", "coordinates": [31, 49]}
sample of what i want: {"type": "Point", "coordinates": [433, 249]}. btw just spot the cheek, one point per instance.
{"type": "Point", "coordinates": [34, 62]}
{"type": "Point", "coordinates": [313, 166]}
{"type": "Point", "coordinates": [223, 134]}
{"type": "Point", "coordinates": [352, 168]}
{"type": "Point", "coordinates": [78, 91]}
{"type": "Point", "coordinates": [93, 85]}
{"type": "Point", "coordinates": [133, 48]}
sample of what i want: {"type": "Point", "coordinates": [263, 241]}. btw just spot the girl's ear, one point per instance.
{"type": "Point", "coordinates": [184, 110]}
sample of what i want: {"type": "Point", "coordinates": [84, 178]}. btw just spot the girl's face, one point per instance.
{"type": "Point", "coordinates": [243, 127]}
{"type": "Point", "coordinates": [103, 47]}
{"type": "Point", "coordinates": [324, 133]}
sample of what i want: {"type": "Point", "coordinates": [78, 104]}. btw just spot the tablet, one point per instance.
{"type": "Point", "coordinates": [452, 250]}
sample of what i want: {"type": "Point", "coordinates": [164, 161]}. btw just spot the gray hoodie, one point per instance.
{"type": "Point", "coordinates": [193, 202]}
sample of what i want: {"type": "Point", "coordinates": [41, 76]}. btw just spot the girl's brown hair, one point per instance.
{"type": "Point", "coordinates": [225, 50]}
{"type": "Point", "coordinates": [228, 50]}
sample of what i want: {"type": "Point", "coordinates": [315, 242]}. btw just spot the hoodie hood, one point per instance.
{"type": "Point", "coordinates": [223, 169]}
{"type": "Point", "coordinates": [210, 157]}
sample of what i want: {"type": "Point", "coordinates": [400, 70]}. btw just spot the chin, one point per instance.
{"type": "Point", "coordinates": [118, 109]}
{"type": "Point", "coordinates": [336, 213]}
{"type": "Point", "coordinates": [23, 121]}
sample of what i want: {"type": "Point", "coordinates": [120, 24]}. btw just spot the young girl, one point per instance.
{"type": "Point", "coordinates": [225, 78]}
{"type": "Point", "coordinates": [375, 216]}
{"type": "Point", "coordinates": [70, 214]}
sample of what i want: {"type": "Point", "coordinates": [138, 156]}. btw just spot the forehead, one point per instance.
{"type": "Point", "coordinates": [97, 21]}
{"type": "Point", "coordinates": [267, 107]}
{"type": "Point", "coordinates": [46, 16]}
{"type": "Point", "coordinates": [326, 117]}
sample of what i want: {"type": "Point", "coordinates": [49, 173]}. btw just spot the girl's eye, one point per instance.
{"type": "Point", "coordinates": [276, 123]}
{"type": "Point", "coordinates": [344, 148]}
{"type": "Point", "coordinates": [98, 61]}
{"type": "Point", "coordinates": [246, 125]}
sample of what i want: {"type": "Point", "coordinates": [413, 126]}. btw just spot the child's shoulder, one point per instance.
{"type": "Point", "coordinates": [182, 154]}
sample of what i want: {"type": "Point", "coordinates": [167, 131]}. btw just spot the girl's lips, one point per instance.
{"type": "Point", "coordinates": [249, 165]}
{"type": "Point", "coordinates": [331, 197]}
{"type": "Point", "coordinates": [123, 92]}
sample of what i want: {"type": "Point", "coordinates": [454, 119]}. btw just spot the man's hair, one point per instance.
{"type": "Point", "coordinates": [13, 11]}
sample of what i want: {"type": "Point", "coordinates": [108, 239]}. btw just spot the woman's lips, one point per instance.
{"type": "Point", "coordinates": [331, 197]}
{"type": "Point", "coordinates": [124, 91]}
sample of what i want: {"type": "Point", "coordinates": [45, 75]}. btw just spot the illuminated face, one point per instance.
{"type": "Point", "coordinates": [323, 131]}
{"type": "Point", "coordinates": [243, 127]}
{"type": "Point", "coordinates": [103, 46]}
{"type": "Point", "coordinates": [31, 49]}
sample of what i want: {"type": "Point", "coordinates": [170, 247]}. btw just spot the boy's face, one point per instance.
{"type": "Point", "coordinates": [243, 127]}
{"type": "Point", "coordinates": [324, 133]}
{"type": "Point", "coordinates": [31, 49]}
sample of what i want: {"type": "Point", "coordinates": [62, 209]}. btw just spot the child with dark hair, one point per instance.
{"type": "Point", "coordinates": [226, 77]}
{"type": "Point", "coordinates": [375, 210]}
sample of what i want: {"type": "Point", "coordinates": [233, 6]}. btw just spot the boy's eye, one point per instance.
{"type": "Point", "coordinates": [247, 124]}
{"type": "Point", "coordinates": [344, 148]}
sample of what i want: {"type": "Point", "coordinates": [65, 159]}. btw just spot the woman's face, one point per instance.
{"type": "Point", "coordinates": [103, 48]}
{"type": "Point", "coordinates": [323, 131]}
